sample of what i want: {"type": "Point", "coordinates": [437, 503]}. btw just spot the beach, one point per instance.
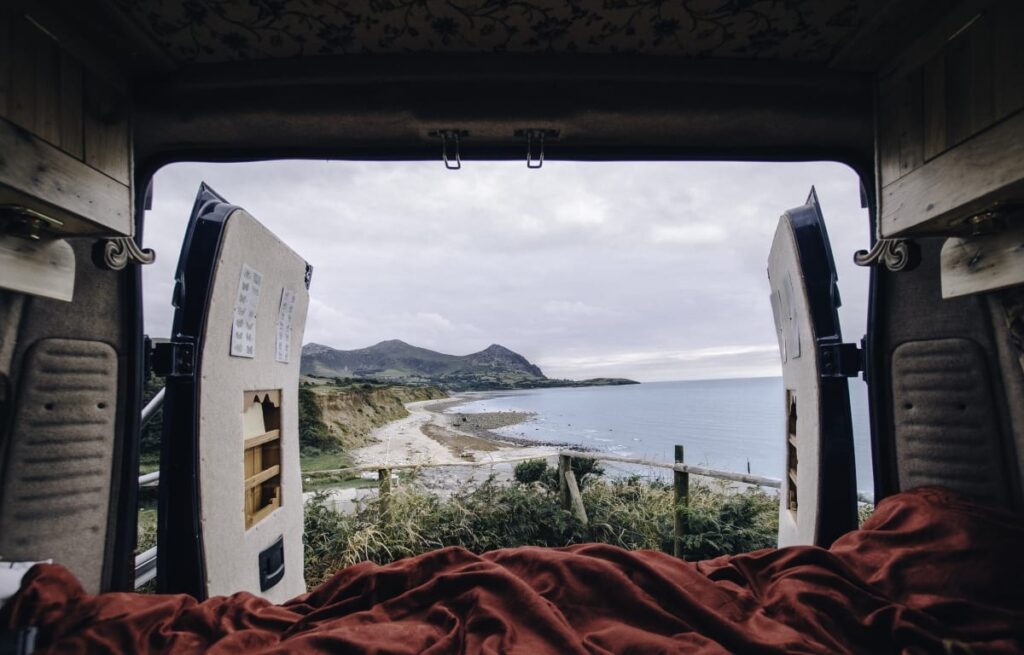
{"type": "Point", "coordinates": [431, 435]}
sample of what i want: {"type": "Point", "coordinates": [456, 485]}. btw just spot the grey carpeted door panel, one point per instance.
{"type": "Point", "coordinates": [56, 491]}
{"type": "Point", "coordinates": [945, 421]}
{"type": "Point", "coordinates": [97, 316]}
{"type": "Point", "coordinates": [1007, 308]}
{"type": "Point", "coordinates": [910, 309]}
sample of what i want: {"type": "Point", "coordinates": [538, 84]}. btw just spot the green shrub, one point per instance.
{"type": "Point", "coordinates": [864, 512]}
{"type": "Point", "coordinates": [314, 436]}
{"type": "Point", "coordinates": [538, 470]}
{"type": "Point", "coordinates": [585, 470]}
{"type": "Point", "coordinates": [530, 471]}
{"type": "Point", "coordinates": [630, 513]}
{"type": "Point", "coordinates": [722, 521]}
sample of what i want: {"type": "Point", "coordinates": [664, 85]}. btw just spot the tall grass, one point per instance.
{"type": "Point", "coordinates": [632, 513]}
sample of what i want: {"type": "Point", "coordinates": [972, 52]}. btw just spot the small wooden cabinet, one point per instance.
{"type": "Point", "coordinates": [951, 124]}
{"type": "Point", "coordinates": [65, 133]}
{"type": "Point", "coordinates": [261, 431]}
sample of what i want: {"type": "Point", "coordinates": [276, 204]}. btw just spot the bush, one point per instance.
{"type": "Point", "coordinates": [313, 432]}
{"type": "Point", "coordinates": [864, 512]}
{"type": "Point", "coordinates": [530, 471]}
{"type": "Point", "coordinates": [538, 470]}
{"type": "Point", "coordinates": [631, 513]}
{"type": "Point", "coordinates": [585, 470]}
{"type": "Point", "coordinates": [721, 521]}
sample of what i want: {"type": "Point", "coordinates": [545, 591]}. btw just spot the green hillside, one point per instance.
{"type": "Point", "coordinates": [495, 367]}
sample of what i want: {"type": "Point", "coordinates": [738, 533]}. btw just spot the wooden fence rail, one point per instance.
{"type": "Point", "coordinates": [572, 500]}
{"type": "Point", "coordinates": [569, 486]}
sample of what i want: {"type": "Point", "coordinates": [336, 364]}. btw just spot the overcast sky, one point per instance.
{"type": "Point", "coordinates": [653, 271]}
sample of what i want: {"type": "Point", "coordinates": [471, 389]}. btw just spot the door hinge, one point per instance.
{"type": "Point", "coordinates": [841, 360]}
{"type": "Point", "coordinates": [173, 358]}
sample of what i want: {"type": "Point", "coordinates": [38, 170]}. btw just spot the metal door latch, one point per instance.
{"type": "Point", "coordinates": [173, 358]}
{"type": "Point", "coordinates": [841, 360]}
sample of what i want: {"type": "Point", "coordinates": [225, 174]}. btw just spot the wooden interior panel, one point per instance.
{"type": "Point", "coordinates": [985, 171]}
{"type": "Point", "coordinates": [106, 129]}
{"type": "Point", "coordinates": [36, 173]}
{"type": "Point", "coordinates": [45, 60]}
{"type": "Point", "coordinates": [975, 80]}
{"type": "Point", "coordinates": [969, 93]}
{"type": "Point", "coordinates": [71, 106]}
{"type": "Point", "coordinates": [47, 92]}
{"type": "Point", "coordinates": [934, 107]}
{"type": "Point", "coordinates": [21, 93]}
{"type": "Point", "coordinates": [911, 128]}
{"type": "Point", "coordinates": [1008, 57]}
{"type": "Point", "coordinates": [971, 85]}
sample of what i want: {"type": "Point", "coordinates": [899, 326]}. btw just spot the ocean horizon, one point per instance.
{"type": "Point", "coordinates": [729, 424]}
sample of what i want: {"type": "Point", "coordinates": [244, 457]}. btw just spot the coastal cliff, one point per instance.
{"type": "Point", "coordinates": [342, 416]}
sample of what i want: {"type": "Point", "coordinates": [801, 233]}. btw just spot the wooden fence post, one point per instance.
{"type": "Point", "coordinates": [384, 486]}
{"type": "Point", "coordinates": [564, 466]}
{"type": "Point", "coordinates": [575, 496]}
{"type": "Point", "coordinates": [681, 486]}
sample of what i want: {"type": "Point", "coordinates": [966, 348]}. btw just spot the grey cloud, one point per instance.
{"type": "Point", "coordinates": [577, 262]}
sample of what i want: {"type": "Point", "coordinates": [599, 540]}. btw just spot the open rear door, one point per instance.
{"type": "Point", "coordinates": [230, 509]}
{"type": "Point", "coordinates": [818, 500]}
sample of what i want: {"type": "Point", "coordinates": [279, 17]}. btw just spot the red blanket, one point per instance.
{"type": "Point", "coordinates": [929, 573]}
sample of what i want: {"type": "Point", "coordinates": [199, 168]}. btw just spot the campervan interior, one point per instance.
{"type": "Point", "coordinates": [924, 99]}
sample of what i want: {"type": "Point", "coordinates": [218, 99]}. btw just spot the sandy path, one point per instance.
{"type": "Point", "coordinates": [403, 442]}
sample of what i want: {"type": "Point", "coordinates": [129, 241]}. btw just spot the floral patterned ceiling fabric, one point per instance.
{"type": "Point", "coordinates": [199, 31]}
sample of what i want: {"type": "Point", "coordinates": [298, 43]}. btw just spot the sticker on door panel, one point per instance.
{"type": "Point", "coordinates": [284, 325]}
{"type": "Point", "coordinates": [243, 328]}
{"type": "Point", "coordinates": [790, 326]}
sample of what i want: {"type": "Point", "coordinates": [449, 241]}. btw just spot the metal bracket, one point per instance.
{"type": "Point", "coordinates": [841, 360]}
{"type": "Point", "coordinates": [451, 147]}
{"type": "Point", "coordinates": [28, 223]}
{"type": "Point", "coordinates": [895, 254]}
{"type": "Point", "coordinates": [535, 139]}
{"type": "Point", "coordinates": [121, 251]}
{"type": "Point", "coordinates": [174, 358]}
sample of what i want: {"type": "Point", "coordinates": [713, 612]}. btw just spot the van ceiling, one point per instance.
{"type": "Point", "coordinates": [228, 30]}
{"type": "Point", "coordinates": [241, 79]}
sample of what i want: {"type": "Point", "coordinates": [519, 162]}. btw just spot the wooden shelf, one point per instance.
{"type": "Point", "coordinates": [261, 439]}
{"type": "Point", "coordinates": [263, 512]}
{"type": "Point", "coordinates": [262, 476]}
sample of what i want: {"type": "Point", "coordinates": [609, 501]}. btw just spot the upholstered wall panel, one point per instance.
{"type": "Point", "coordinates": [910, 309]}
{"type": "Point", "coordinates": [945, 420]}
{"type": "Point", "coordinates": [1007, 308]}
{"type": "Point", "coordinates": [60, 457]}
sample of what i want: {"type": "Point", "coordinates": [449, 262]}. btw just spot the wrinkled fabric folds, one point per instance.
{"type": "Point", "coordinates": [930, 572]}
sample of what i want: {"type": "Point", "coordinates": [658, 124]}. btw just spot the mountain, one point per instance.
{"type": "Point", "coordinates": [495, 367]}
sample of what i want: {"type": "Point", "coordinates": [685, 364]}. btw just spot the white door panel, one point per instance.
{"type": "Point", "coordinates": [231, 497]}
{"type": "Point", "coordinates": [818, 497]}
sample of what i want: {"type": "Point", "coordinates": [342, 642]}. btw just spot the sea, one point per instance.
{"type": "Point", "coordinates": [734, 425]}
